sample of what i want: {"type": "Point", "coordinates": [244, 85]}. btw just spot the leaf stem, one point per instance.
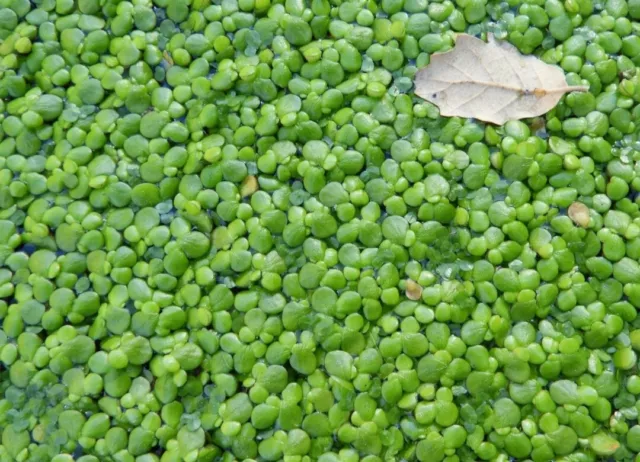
{"type": "Point", "coordinates": [568, 88]}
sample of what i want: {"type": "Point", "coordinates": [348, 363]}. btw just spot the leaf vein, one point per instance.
{"type": "Point", "coordinates": [482, 90]}
{"type": "Point", "coordinates": [462, 71]}
{"type": "Point", "coordinates": [506, 58]}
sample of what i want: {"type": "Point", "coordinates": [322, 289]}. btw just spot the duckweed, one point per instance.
{"type": "Point", "coordinates": [229, 230]}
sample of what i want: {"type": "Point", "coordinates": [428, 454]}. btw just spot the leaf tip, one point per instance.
{"type": "Point", "coordinates": [581, 88]}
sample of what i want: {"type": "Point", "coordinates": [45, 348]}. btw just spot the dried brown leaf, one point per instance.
{"type": "Point", "coordinates": [167, 57]}
{"type": "Point", "coordinates": [491, 81]}
{"type": "Point", "coordinates": [249, 186]}
{"type": "Point", "coordinates": [579, 214]}
{"type": "Point", "coordinates": [413, 290]}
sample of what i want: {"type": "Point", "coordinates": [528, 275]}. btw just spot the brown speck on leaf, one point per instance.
{"type": "Point", "coordinates": [414, 290]}
{"type": "Point", "coordinates": [603, 444]}
{"type": "Point", "coordinates": [579, 214]}
{"type": "Point", "coordinates": [249, 186]}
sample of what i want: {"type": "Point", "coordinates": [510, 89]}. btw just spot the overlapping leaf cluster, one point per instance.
{"type": "Point", "coordinates": [230, 231]}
